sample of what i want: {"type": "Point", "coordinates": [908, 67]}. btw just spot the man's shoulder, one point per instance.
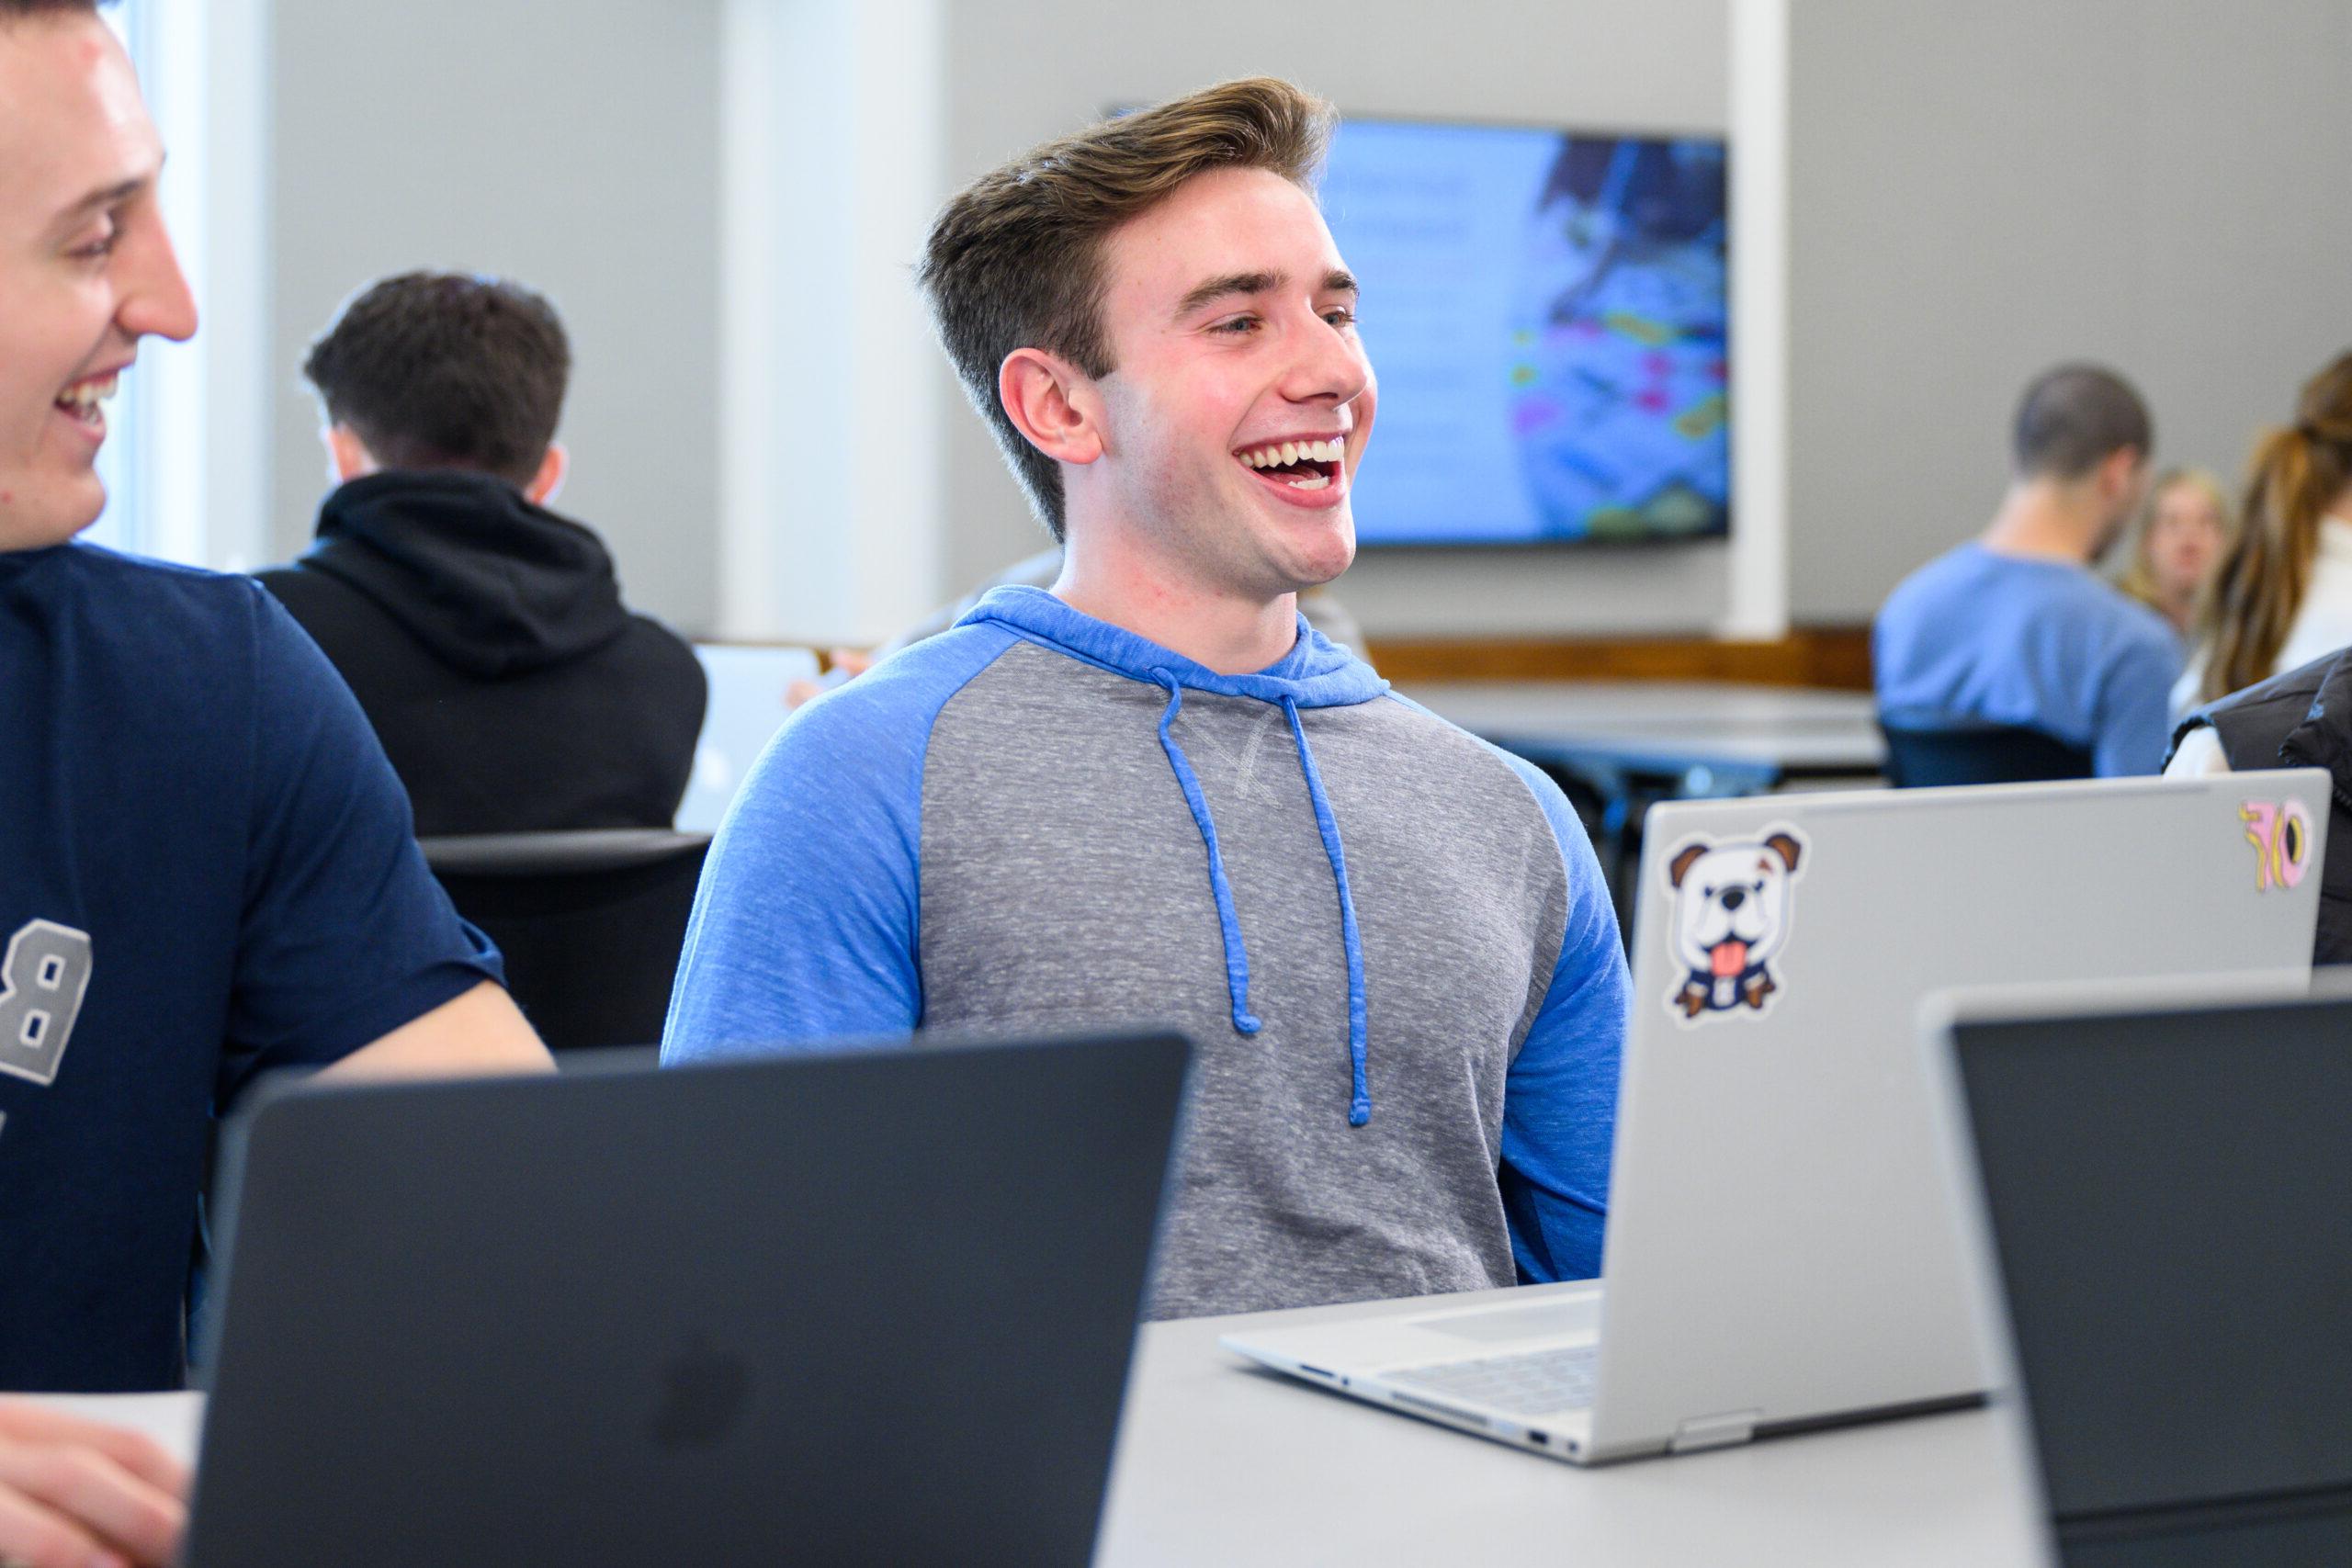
{"type": "Point", "coordinates": [1473, 759]}
{"type": "Point", "coordinates": [882, 720]}
{"type": "Point", "coordinates": [2129, 630]}
{"type": "Point", "coordinates": [179, 617]}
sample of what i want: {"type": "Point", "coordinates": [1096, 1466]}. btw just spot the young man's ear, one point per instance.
{"type": "Point", "coordinates": [347, 456]}
{"type": "Point", "coordinates": [2119, 473]}
{"type": "Point", "coordinates": [549, 481]}
{"type": "Point", "coordinates": [1052, 404]}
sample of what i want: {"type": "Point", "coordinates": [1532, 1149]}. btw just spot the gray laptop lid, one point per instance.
{"type": "Point", "coordinates": [873, 1307]}
{"type": "Point", "coordinates": [2167, 1193]}
{"type": "Point", "coordinates": [1781, 1243]}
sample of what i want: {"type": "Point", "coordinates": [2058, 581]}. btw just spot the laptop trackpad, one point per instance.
{"type": "Point", "coordinates": [1581, 1316]}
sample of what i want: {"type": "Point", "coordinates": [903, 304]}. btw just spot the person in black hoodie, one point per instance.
{"type": "Point", "coordinates": [483, 634]}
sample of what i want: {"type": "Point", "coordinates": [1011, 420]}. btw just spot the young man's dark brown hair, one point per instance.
{"type": "Point", "coordinates": [1014, 261]}
{"type": "Point", "coordinates": [14, 10]}
{"type": "Point", "coordinates": [446, 370]}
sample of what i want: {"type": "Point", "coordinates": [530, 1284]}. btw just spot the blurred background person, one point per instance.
{"type": "Point", "coordinates": [2169, 552]}
{"type": "Point", "coordinates": [2282, 595]}
{"type": "Point", "coordinates": [484, 635]}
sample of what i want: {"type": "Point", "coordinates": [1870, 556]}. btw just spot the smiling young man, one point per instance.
{"type": "Point", "coordinates": [1153, 796]}
{"type": "Point", "coordinates": [209, 865]}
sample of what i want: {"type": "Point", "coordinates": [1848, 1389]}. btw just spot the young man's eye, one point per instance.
{"type": "Point", "coordinates": [1239, 326]}
{"type": "Point", "coordinates": [1341, 315]}
{"type": "Point", "coordinates": [100, 246]}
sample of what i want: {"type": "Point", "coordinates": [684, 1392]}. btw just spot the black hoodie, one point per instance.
{"type": "Point", "coordinates": [486, 640]}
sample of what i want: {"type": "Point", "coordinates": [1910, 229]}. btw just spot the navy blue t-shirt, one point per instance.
{"type": "Point", "coordinates": [210, 872]}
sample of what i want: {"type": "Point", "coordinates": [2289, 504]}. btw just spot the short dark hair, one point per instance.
{"type": "Point", "coordinates": [1015, 259]}
{"type": "Point", "coordinates": [2072, 417]}
{"type": "Point", "coordinates": [446, 370]}
{"type": "Point", "coordinates": [21, 10]}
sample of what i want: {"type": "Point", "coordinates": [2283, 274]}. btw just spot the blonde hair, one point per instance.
{"type": "Point", "coordinates": [2133, 575]}
{"type": "Point", "coordinates": [2296, 475]}
{"type": "Point", "coordinates": [1015, 259]}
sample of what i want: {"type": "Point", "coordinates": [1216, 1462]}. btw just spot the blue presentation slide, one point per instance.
{"type": "Point", "coordinates": [1546, 314]}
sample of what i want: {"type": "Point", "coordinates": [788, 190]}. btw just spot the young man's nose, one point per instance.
{"type": "Point", "coordinates": [1330, 367]}
{"type": "Point", "coordinates": [155, 296]}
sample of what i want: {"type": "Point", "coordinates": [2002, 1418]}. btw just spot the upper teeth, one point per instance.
{"type": "Point", "coordinates": [85, 394]}
{"type": "Point", "coordinates": [1283, 452]}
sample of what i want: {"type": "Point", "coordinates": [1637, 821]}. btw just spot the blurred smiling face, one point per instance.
{"type": "Point", "coordinates": [1242, 399]}
{"type": "Point", "coordinates": [85, 266]}
{"type": "Point", "coordinates": [2184, 537]}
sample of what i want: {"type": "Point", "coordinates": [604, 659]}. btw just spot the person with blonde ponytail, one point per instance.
{"type": "Point", "coordinates": [2282, 596]}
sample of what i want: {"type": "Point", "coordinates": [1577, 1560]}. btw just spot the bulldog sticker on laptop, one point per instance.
{"type": "Point", "coordinates": [1732, 902]}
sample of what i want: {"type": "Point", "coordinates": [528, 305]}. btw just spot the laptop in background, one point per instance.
{"type": "Point", "coordinates": [1783, 1250]}
{"type": "Point", "coordinates": [869, 1307]}
{"type": "Point", "coordinates": [2164, 1184]}
{"type": "Point", "coordinates": [744, 711]}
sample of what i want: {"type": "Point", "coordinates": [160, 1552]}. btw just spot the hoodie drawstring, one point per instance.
{"type": "Point", "coordinates": [1360, 1101]}
{"type": "Point", "coordinates": [1236, 957]}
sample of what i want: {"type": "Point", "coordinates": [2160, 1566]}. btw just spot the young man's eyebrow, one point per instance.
{"type": "Point", "coordinates": [98, 200]}
{"type": "Point", "coordinates": [1339, 280]}
{"type": "Point", "coordinates": [1231, 283]}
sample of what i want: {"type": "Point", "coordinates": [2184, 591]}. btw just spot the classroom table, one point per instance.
{"type": "Point", "coordinates": [1221, 1463]}
{"type": "Point", "coordinates": [1619, 746]}
{"type": "Point", "coordinates": [1712, 737]}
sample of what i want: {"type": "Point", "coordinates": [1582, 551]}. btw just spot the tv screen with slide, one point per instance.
{"type": "Point", "coordinates": [1546, 311]}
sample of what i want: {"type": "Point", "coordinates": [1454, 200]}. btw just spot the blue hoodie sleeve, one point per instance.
{"type": "Point", "coordinates": [805, 927]}
{"type": "Point", "coordinates": [1560, 1098]}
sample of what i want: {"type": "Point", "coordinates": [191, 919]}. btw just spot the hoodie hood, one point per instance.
{"type": "Point", "coordinates": [1315, 674]}
{"type": "Point", "coordinates": [494, 585]}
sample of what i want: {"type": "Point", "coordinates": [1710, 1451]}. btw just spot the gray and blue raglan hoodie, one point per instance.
{"type": "Point", "coordinates": [1389, 941]}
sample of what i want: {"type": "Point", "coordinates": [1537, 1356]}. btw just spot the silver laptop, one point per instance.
{"type": "Point", "coordinates": [1782, 1250]}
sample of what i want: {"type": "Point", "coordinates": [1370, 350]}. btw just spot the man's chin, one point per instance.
{"type": "Point", "coordinates": [35, 522]}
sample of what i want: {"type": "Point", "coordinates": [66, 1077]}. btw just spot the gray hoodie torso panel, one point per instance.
{"type": "Point", "coordinates": [1064, 886]}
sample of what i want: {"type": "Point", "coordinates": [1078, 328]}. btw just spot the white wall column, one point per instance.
{"type": "Point", "coordinates": [203, 429]}
{"type": "Point", "coordinates": [1758, 604]}
{"type": "Point", "coordinates": [831, 489]}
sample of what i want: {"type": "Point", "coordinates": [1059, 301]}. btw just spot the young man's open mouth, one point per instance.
{"type": "Point", "coordinates": [83, 402]}
{"type": "Point", "coordinates": [1300, 467]}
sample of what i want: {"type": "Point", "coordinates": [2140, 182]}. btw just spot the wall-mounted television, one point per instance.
{"type": "Point", "coordinates": [1546, 311]}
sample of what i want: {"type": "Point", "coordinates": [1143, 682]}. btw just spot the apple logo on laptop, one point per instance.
{"type": "Point", "coordinates": [703, 1392]}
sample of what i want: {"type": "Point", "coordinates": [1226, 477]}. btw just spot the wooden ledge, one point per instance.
{"type": "Point", "coordinates": [1838, 656]}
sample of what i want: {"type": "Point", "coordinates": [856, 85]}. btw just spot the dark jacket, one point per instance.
{"type": "Point", "coordinates": [486, 640]}
{"type": "Point", "coordinates": [2301, 719]}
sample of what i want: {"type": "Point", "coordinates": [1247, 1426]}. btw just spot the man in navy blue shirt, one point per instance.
{"type": "Point", "coordinates": [209, 868]}
{"type": "Point", "coordinates": [2013, 628]}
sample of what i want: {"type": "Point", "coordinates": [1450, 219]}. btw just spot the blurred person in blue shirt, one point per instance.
{"type": "Point", "coordinates": [2013, 627]}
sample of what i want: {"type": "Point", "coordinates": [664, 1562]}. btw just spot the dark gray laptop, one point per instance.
{"type": "Point", "coordinates": [867, 1308]}
{"type": "Point", "coordinates": [2167, 1193]}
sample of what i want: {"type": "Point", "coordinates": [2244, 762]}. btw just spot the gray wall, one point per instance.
{"type": "Point", "coordinates": [1978, 190]}
{"type": "Point", "coordinates": [573, 146]}
{"type": "Point", "coordinates": [1022, 70]}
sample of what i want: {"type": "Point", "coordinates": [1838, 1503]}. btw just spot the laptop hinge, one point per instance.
{"type": "Point", "coordinates": [1703, 1432]}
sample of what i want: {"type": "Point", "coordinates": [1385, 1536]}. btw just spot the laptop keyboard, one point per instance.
{"type": "Point", "coordinates": [1529, 1383]}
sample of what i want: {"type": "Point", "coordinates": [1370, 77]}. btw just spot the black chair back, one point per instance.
{"type": "Point", "coordinates": [590, 923]}
{"type": "Point", "coordinates": [1921, 757]}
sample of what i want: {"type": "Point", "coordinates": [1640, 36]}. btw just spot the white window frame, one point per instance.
{"type": "Point", "coordinates": [187, 468]}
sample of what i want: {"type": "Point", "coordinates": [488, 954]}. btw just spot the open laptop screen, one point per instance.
{"type": "Point", "coordinates": [2169, 1193]}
